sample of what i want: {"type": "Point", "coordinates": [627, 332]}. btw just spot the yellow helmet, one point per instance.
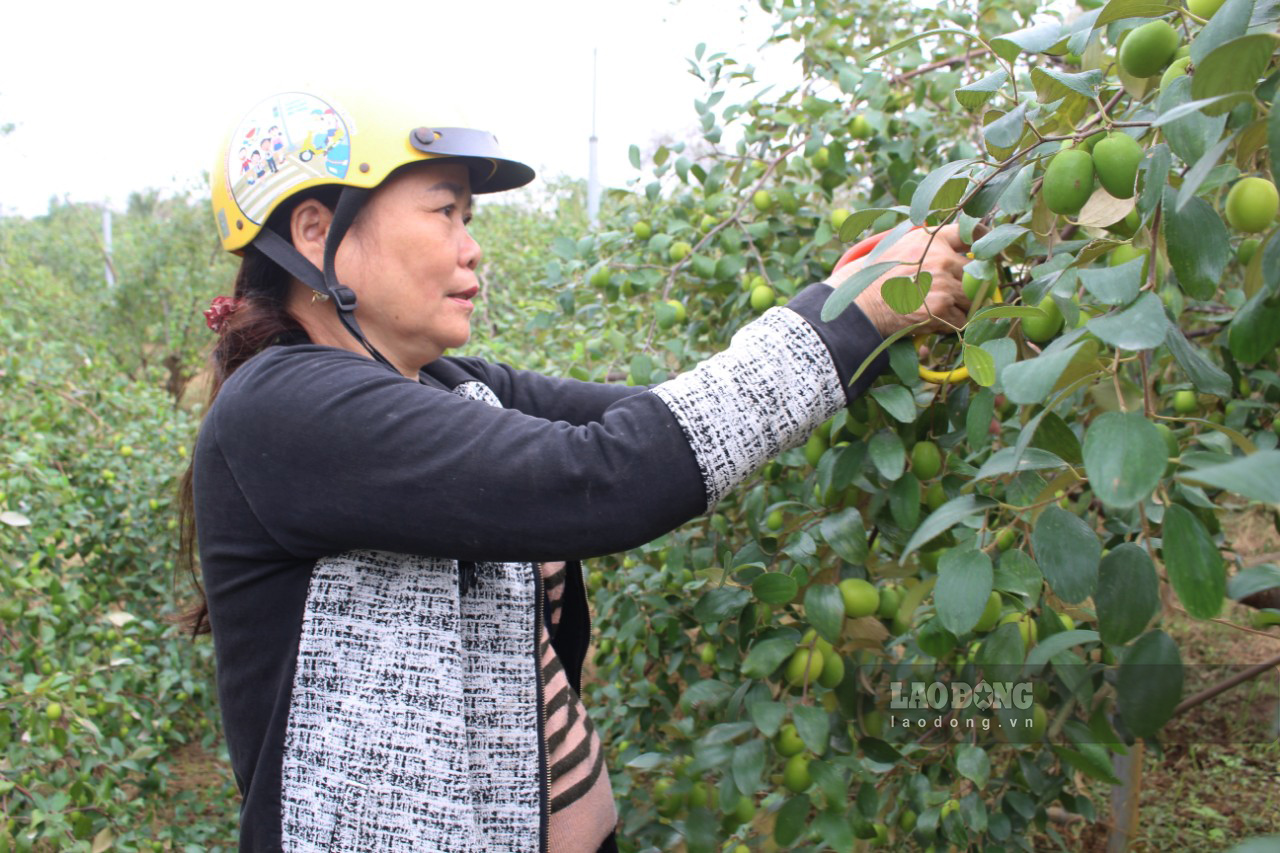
{"type": "Point", "coordinates": [292, 141]}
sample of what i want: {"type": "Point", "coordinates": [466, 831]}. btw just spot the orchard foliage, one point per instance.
{"type": "Point", "coordinates": [1032, 519]}
{"type": "Point", "coordinates": [100, 690]}
{"type": "Point", "coordinates": [1119, 396]}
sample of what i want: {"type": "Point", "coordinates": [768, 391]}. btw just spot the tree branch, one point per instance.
{"type": "Point", "coordinates": [941, 63]}
{"type": "Point", "coordinates": [1225, 685]}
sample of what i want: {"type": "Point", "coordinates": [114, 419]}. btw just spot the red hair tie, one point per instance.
{"type": "Point", "coordinates": [222, 307]}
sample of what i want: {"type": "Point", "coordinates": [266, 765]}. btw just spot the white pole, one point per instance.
{"type": "Point", "coordinates": [106, 245]}
{"type": "Point", "coordinates": [593, 176]}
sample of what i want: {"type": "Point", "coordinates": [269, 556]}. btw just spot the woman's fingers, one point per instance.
{"type": "Point", "coordinates": [940, 252]}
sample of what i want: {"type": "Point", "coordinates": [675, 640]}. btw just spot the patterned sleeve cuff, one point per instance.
{"type": "Point", "coordinates": [774, 384]}
{"type": "Point", "coordinates": [850, 338]}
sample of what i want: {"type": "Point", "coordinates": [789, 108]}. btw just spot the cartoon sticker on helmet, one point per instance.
{"type": "Point", "coordinates": [285, 141]}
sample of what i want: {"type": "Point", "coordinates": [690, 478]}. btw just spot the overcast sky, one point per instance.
{"type": "Point", "coordinates": [113, 97]}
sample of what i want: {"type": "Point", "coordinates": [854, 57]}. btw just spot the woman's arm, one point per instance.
{"type": "Point", "coordinates": [333, 452]}
{"type": "Point", "coordinates": [569, 400]}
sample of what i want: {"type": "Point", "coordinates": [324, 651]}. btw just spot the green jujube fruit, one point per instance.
{"type": "Point", "coordinates": [1177, 68]}
{"type": "Point", "coordinates": [1252, 204]}
{"type": "Point", "coordinates": [1149, 49]}
{"type": "Point", "coordinates": [1043, 330]}
{"type": "Point", "coordinates": [1116, 160]}
{"type": "Point", "coordinates": [1068, 181]}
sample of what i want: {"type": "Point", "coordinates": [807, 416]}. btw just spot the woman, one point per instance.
{"type": "Point", "coordinates": [382, 529]}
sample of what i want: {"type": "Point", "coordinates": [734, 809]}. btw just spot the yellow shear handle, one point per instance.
{"type": "Point", "coordinates": [961, 373]}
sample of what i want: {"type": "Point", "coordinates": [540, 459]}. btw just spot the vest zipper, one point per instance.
{"type": "Point", "coordinates": [544, 794]}
{"type": "Point", "coordinates": [591, 610]}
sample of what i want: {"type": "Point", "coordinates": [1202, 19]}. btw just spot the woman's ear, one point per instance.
{"type": "Point", "coordinates": [308, 226]}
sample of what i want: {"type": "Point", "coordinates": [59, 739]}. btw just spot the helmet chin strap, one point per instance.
{"type": "Point", "coordinates": [326, 283]}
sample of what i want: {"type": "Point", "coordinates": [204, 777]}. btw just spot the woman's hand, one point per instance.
{"type": "Point", "coordinates": [945, 306]}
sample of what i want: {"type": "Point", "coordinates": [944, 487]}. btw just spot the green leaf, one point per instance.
{"type": "Point", "coordinates": [1002, 649]}
{"type": "Point", "coordinates": [1156, 168]}
{"type": "Point", "coordinates": [1125, 457]}
{"type": "Point", "coordinates": [775, 588]}
{"type": "Point", "coordinates": [1054, 435]}
{"type": "Point", "coordinates": [647, 761]}
{"type": "Point", "coordinates": [964, 584]}
{"type": "Point", "coordinates": [846, 535]}
{"type": "Point", "coordinates": [1030, 381]}
{"type": "Point", "coordinates": [1015, 198]}
{"type": "Point", "coordinates": [767, 655]}
{"type": "Point", "coordinates": [793, 820]}
{"type": "Point", "coordinates": [1229, 22]}
{"type": "Point", "coordinates": [1255, 330]}
{"type": "Point", "coordinates": [1052, 84]}
{"type": "Point", "coordinates": [718, 604]}
{"type": "Point", "coordinates": [973, 96]}
{"type": "Point", "coordinates": [1114, 285]}
{"type": "Point", "coordinates": [1118, 10]}
{"type": "Point", "coordinates": [1018, 573]}
{"type": "Point", "coordinates": [887, 455]}
{"type": "Point", "coordinates": [904, 361]}
{"type": "Point", "coordinates": [824, 608]}
{"type": "Point", "coordinates": [973, 764]}
{"type": "Point", "coordinates": [1197, 174]}
{"type": "Point", "coordinates": [1256, 476]}
{"type": "Point", "coordinates": [633, 154]}
{"type": "Point", "coordinates": [890, 239]}
{"type": "Point", "coordinates": [1082, 30]}
{"type": "Point", "coordinates": [748, 765]}
{"type": "Point", "coordinates": [1128, 595]}
{"type": "Point", "coordinates": [830, 780]}
{"type": "Point", "coordinates": [982, 366]}
{"type": "Point", "coordinates": [861, 220]}
{"type": "Point", "coordinates": [1007, 460]}
{"type": "Point", "coordinates": [708, 692]}
{"type": "Point", "coordinates": [1248, 581]}
{"type": "Point", "coordinates": [814, 727]}
{"type": "Point", "coordinates": [1006, 131]}
{"type": "Point", "coordinates": [848, 465]}
{"type": "Point", "coordinates": [1092, 759]}
{"type": "Point", "coordinates": [977, 419]}
{"type": "Point", "coordinates": [1006, 312]}
{"type": "Point", "coordinates": [904, 501]}
{"type": "Point", "coordinates": [997, 240]}
{"type": "Point", "coordinates": [1035, 39]}
{"type": "Point", "coordinates": [1273, 124]}
{"type": "Point", "coordinates": [896, 46]}
{"type": "Point", "coordinates": [1204, 374]}
{"type": "Point", "coordinates": [1187, 130]}
{"type": "Point", "coordinates": [767, 715]}
{"type": "Point", "coordinates": [1140, 326]}
{"type": "Point", "coordinates": [1048, 648]}
{"type": "Point", "coordinates": [1180, 112]}
{"type": "Point", "coordinates": [879, 751]}
{"type": "Point", "coordinates": [994, 183]}
{"type": "Point", "coordinates": [902, 294]}
{"type": "Point", "coordinates": [927, 190]}
{"type": "Point", "coordinates": [1149, 683]}
{"type": "Point", "coordinates": [897, 401]}
{"type": "Point", "coordinates": [1199, 248]}
{"type": "Point", "coordinates": [834, 829]}
{"type": "Point", "coordinates": [1067, 551]}
{"type": "Point", "coordinates": [944, 518]}
{"type": "Point", "coordinates": [1194, 565]}
{"type": "Point", "coordinates": [851, 287]}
